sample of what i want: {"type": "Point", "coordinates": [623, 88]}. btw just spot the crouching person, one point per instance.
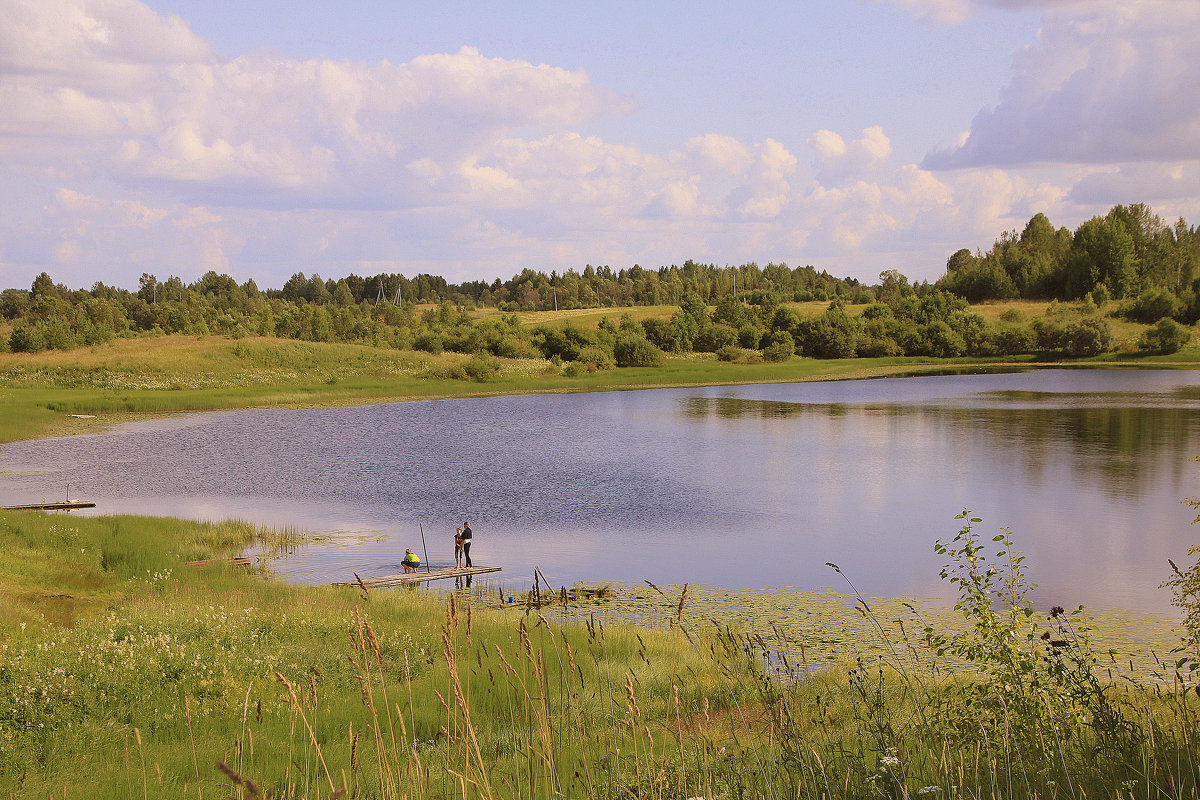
{"type": "Point", "coordinates": [410, 562]}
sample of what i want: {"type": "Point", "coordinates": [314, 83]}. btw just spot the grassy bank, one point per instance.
{"type": "Point", "coordinates": [211, 681]}
{"type": "Point", "coordinates": [63, 392]}
{"type": "Point", "coordinates": [127, 673]}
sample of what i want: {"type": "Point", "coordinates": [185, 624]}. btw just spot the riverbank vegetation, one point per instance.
{"type": "Point", "coordinates": [125, 672]}
{"type": "Point", "coordinates": [1128, 265]}
{"type": "Point", "coordinates": [64, 391]}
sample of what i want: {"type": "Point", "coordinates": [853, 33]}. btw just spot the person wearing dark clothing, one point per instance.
{"type": "Point", "coordinates": [466, 542]}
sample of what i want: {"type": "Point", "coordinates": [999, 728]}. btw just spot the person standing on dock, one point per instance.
{"type": "Point", "coordinates": [458, 549]}
{"type": "Point", "coordinates": [466, 542]}
{"type": "Point", "coordinates": [410, 562]}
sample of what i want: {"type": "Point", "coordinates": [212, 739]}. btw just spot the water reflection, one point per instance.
{"type": "Point", "coordinates": [1124, 442]}
{"type": "Point", "coordinates": [742, 486]}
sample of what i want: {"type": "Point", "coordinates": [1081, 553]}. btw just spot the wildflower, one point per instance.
{"type": "Point", "coordinates": [1057, 610]}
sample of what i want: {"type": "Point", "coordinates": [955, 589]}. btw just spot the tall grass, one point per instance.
{"type": "Point", "coordinates": [212, 682]}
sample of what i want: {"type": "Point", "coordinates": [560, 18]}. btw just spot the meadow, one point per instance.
{"type": "Point", "coordinates": [127, 673]}
{"type": "Point", "coordinates": [39, 392]}
{"type": "Point", "coordinates": [60, 392]}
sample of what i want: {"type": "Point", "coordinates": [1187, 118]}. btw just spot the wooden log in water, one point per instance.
{"type": "Point", "coordinates": [63, 506]}
{"type": "Point", "coordinates": [416, 577]}
{"type": "Point", "coordinates": [239, 561]}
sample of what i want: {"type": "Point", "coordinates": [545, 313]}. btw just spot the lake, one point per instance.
{"type": "Point", "coordinates": [746, 486]}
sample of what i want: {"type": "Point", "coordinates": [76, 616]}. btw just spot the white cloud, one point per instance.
{"type": "Point", "coordinates": [1143, 183]}
{"type": "Point", "coordinates": [110, 88]}
{"type": "Point", "coordinates": [1107, 84]}
{"type": "Point", "coordinates": [130, 147]}
{"type": "Point", "coordinates": [952, 12]}
{"type": "Point", "coordinates": [837, 160]}
{"type": "Point", "coordinates": [941, 12]}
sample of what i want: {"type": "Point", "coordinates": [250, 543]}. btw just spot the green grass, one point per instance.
{"type": "Point", "coordinates": [126, 673]}
{"type": "Point", "coordinates": [40, 393]}
{"type": "Point", "coordinates": [164, 671]}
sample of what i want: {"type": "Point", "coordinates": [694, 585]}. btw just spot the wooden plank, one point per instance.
{"type": "Point", "coordinates": [240, 561]}
{"type": "Point", "coordinates": [67, 506]}
{"type": "Point", "coordinates": [417, 577]}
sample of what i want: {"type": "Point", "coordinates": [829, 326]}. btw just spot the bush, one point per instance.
{"type": "Point", "coordinates": [662, 334]}
{"type": "Point", "coordinates": [1012, 340]}
{"type": "Point", "coordinates": [879, 347]}
{"type": "Point", "coordinates": [943, 341]}
{"type": "Point", "coordinates": [430, 343]}
{"type": "Point", "coordinates": [1151, 305]}
{"type": "Point", "coordinates": [595, 358]}
{"type": "Point", "coordinates": [1086, 337]}
{"type": "Point", "coordinates": [482, 368]}
{"type": "Point", "coordinates": [26, 339]}
{"type": "Point", "coordinates": [779, 351]}
{"type": "Point", "coordinates": [1089, 337]}
{"type": "Point", "coordinates": [1167, 337]}
{"type": "Point", "coordinates": [779, 346]}
{"type": "Point", "coordinates": [637, 351]}
{"type": "Point", "coordinates": [748, 337]}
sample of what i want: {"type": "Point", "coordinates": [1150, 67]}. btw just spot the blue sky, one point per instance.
{"type": "Point", "coordinates": [266, 138]}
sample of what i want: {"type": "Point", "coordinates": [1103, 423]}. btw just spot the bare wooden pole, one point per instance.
{"type": "Point", "coordinates": [423, 547]}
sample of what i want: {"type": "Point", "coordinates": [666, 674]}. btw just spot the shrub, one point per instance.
{"type": "Point", "coordinates": [748, 336]}
{"type": "Point", "coordinates": [1012, 340]}
{"type": "Point", "coordinates": [1151, 305]}
{"type": "Point", "coordinates": [1167, 337]}
{"type": "Point", "coordinates": [430, 343]}
{"type": "Point", "coordinates": [731, 352]}
{"type": "Point", "coordinates": [1089, 337]}
{"type": "Point", "coordinates": [713, 338]}
{"type": "Point", "coordinates": [481, 367]}
{"type": "Point", "coordinates": [662, 334]}
{"type": "Point", "coordinates": [779, 351]}
{"type": "Point", "coordinates": [943, 341]}
{"type": "Point", "coordinates": [637, 351]}
{"type": "Point", "coordinates": [1086, 337]}
{"type": "Point", "coordinates": [26, 339]}
{"type": "Point", "coordinates": [879, 347]}
{"type": "Point", "coordinates": [595, 358]}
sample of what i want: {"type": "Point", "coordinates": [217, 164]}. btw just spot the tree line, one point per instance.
{"type": "Point", "coordinates": [379, 310]}
{"type": "Point", "coordinates": [1128, 255]}
{"type": "Point", "coordinates": [1151, 270]}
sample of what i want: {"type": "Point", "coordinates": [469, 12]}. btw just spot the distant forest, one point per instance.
{"type": "Point", "coordinates": [1129, 254]}
{"type": "Point", "coordinates": [1150, 270]}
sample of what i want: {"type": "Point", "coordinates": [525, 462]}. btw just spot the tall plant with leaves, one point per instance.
{"type": "Point", "coordinates": [1035, 675]}
{"type": "Point", "coordinates": [1185, 586]}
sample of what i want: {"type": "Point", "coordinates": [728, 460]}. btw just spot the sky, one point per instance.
{"type": "Point", "coordinates": [264, 138]}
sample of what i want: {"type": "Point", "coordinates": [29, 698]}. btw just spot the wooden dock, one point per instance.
{"type": "Point", "coordinates": [61, 506]}
{"type": "Point", "coordinates": [416, 577]}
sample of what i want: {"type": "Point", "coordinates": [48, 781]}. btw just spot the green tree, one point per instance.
{"type": "Point", "coordinates": [1166, 337]}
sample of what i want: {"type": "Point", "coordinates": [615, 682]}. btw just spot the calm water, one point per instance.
{"type": "Point", "coordinates": [746, 486]}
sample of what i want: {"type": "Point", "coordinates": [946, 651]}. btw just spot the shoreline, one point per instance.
{"type": "Point", "coordinates": [89, 391]}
